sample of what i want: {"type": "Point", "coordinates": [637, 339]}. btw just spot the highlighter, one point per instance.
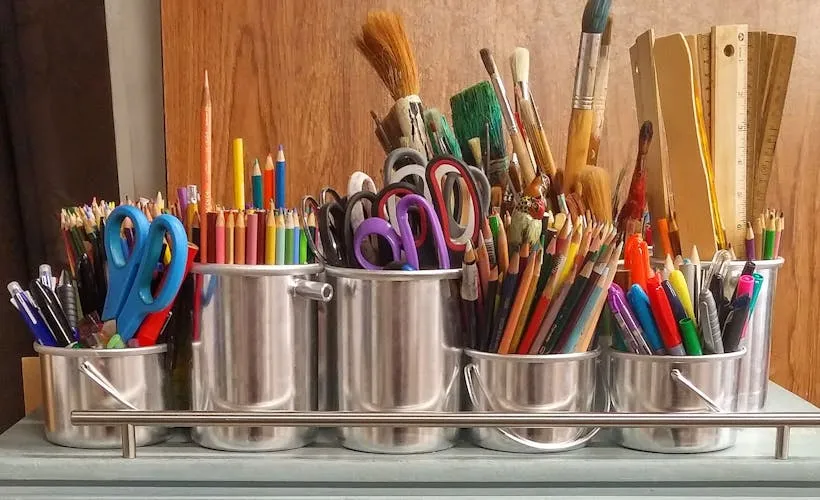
{"type": "Point", "coordinates": [758, 285]}
{"type": "Point", "coordinates": [639, 302]}
{"type": "Point", "coordinates": [679, 284]}
{"type": "Point", "coordinates": [745, 286]}
{"type": "Point", "coordinates": [674, 301]}
{"type": "Point", "coordinates": [662, 311]}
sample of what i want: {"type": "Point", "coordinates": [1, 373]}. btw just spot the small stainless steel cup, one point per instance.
{"type": "Point", "coordinates": [532, 384]}
{"type": "Point", "coordinates": [664, 384]}
{"type": "Point", "coordinates": [138, 375]}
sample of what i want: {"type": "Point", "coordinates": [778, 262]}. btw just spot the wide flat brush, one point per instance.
{"type": "Point", "coordinates": [477, 114]}
{"type": "Point", "coordinates": [519, 146]}
{"type": "Point", "coordinates": [581, 120]}
{"type": "Point", "coordinates": [385, 44]}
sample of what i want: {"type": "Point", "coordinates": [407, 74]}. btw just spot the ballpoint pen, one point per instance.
{"type": "Point", "coordinates": [30, 315]}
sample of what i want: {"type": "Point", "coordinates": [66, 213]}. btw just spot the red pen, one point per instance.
{"type": "Point", "coordinates": [662, 311]}
{"type": "Point", "coordinates": [154, 323]}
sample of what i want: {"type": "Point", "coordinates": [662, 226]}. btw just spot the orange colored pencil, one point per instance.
{"type": "Point", "coordinates": [205, 158]}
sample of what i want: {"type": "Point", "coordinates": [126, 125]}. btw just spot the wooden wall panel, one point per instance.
{"type": "Point", "coordinates": [286, 71]}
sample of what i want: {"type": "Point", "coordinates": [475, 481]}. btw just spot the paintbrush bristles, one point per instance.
{"type": "Point", "coordinates": [385, 44]}
{"type": "Point", "coordinates": [520, 65]}
{"type": "Point", "coordinates": [606, 38]}
{"type": "Point", "coordinates": [595, 16]}
{"type": "Point", "coordinates": [596, 189]}
{"type": "Point", "coordinates": [489, 62]}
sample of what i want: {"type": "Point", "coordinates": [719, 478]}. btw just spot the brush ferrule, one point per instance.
{"type": "Point", "coordinates": [584, 89]}
{"type": "Point", "coordinates": [506, 109]}
{"type": "Point", "coordinates": [524, 90]}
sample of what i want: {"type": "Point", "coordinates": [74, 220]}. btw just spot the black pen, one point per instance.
{"type": "Point", "coordinates": [52, 313]}
{"type": "Point", "coordinates": [735, 323]}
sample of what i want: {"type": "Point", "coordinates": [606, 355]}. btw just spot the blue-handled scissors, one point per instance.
{"type": "Point", "coordinates": [129, 298]}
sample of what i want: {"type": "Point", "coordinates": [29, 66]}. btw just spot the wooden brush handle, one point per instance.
{"type": "Point", "coordinates": [580, 126]}
{"type": "Point", "coordinates": [524, 160]}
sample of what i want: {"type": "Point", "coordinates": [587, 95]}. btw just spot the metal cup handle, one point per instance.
{"type": "Point", "coordinates": [513, 436]}
{"type": "Point", "coordinates": [678, 377]}
{"type": "Point", "coordinates": [98, 378]}
{"type": "Point", "coordinates": [312, 290]}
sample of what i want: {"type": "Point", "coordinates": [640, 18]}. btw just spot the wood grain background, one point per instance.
{"type": "Point", "coordinates": [286, 71]}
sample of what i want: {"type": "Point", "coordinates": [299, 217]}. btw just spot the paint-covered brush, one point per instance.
{"type": "Point", "coordinates": [581, 121]}
{"type": "Point", "coordinates": [442, 139]}
{"type": "Point", "coordinates": [631, 214]}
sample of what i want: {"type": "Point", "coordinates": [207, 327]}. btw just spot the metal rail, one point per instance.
{"type": "Point", "coordinates": [128, 419]}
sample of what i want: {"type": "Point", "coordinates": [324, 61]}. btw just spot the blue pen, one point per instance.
{"type": "Point", "coordinates": [280, 178]}
{"type": "Point", "coordinates": [30, 316]}
{"type": "Point", "coordinates": [639, 301]}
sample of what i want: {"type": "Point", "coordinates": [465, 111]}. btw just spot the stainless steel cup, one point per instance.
{"type": "Point", "coordinates": [397, 348]}
{"type": "Point", "coordinates": [138, 375]}
{"type": "Point", "coordinates": [663, 384]}
{"type": "Point", "coordinates": [256, 351]}
{"type": "Point", "coordinates": [532, 384]}
{"type": "Point", "coordinates": [754, 367]}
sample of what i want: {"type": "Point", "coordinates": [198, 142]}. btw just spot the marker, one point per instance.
{"type": "Point", "coordinates": [639, 301]}
{"type": "Point", "coordinates": [665, 319]}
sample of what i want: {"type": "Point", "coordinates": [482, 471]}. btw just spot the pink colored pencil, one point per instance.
{"type": "Point", "coordinates": [252, 231]}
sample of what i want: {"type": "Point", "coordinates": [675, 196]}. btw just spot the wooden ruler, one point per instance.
{"type": "Point", "coordinates": [754, 110]}
{"type": "Point", "coordinates": [645, 85]}
{"type": "Point", "coordinates": [777, 82]}
{"type": "Point", "coordinates": [729, 125]}
{"type": "Point", "coordinates": [704, 68]}
{"type": "Point", "coordinates": [687, 164]}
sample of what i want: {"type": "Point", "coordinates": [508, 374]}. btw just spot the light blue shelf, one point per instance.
{"type": "Point", "coordinates": [32, 468]}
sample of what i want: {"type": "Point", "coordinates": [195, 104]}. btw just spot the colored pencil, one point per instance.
{"type": "Point", "coordinates": [205, 163]}
{"type": "Point", "coordinates": [239, 174]}
{"type": "Point", "coordinates": [239, 238]}
{"type": "Point", "coordinates": [219, 241]}
{"type": "Point", "coordinates": [229, 237]}
{"type": "Point", "coordinates": [270, 238]}
{"type": "Point", "coordinates": [257, 189]}
{"type": "Point", "coordinates": [267, 182]}
{"type": "Point", "coordinates": [251, 233]}
{"type": "Point", "coordinates": [280, 238]}
{"type": "Point", "coordinates": [288, 238]}
{"type": "Point", "coordinates": [280, 178]}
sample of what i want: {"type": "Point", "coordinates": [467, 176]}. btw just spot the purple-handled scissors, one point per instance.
{"type": "Point", "coordinates": [400, 235]}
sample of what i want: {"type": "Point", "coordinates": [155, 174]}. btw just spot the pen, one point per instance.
{"type": "Point", "coordinates": [634, 342]}
{"type": "Point", "coordinates": [735, 323]}
{"type": "Point", "coordinates": [664, 317]}
{"type": "Point", "coordinates": [36, 325]}
{"type": "Point", "coordinates": [51, 312]}
{"type": "Point", "coordinates": [758, 285]}
{"type": "Point", "coordinates": [66, 293]}
{"type": "Point", "coordinates": [678, 282]}
{"type": "Point", "coordinates": [639, 301]}
{"type": "Point", "coordinates": [45, 276]}
{"type": "Point", "coordinates": [630, 321]}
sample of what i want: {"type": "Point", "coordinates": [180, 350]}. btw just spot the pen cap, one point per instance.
{"type": "Point", "coordinates": [709, 323]}
{"type": "Point", "coordinates": [679, 284]}
{"type": "Point", "coordinates": [735, 323]}
{"type": "Point", "coordinates": [664, 317]}
{"type": "Point", "coordinates": [758, 285]}
{"type": "Point", "coordinates": [674, 301]}
{"type": "Point", "coordinates": [639, 301]}
{"type": "Point", "coordinates": [745, 286]}
{"type": "Point", "coordinates": [689, 334]}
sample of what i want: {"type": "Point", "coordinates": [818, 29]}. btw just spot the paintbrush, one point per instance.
{"type": "Point", "coordinates": [582, 118]}
{"type": "Point", "coordinates": [519, 146]}
{"type": "Point", "coordinates": [477, 114]}
{"type": "Point", "coordinates": [385, 44]}
{"type": "Point", "coordinates": [599, 98]}
{"type": "Point", "coordinates": [528, 112]}
{"type": "Point", "coordinates": [631, 214]}
{"type": "Point", "coordinates": [442, 139]}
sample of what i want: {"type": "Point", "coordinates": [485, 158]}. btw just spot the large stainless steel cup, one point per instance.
{"type": "Point", "coordinates": [397, 348]}
{"type": "Point", "coordinates": [663, 384]}
{"type": "Point", "coordinates": [532, 384]}
{"type": "Point", "coordinates": [256, 351]}
{"type": "Point", "coordinates": [754, 368]}
{"type": "Point", "coordinates": [138, 375]}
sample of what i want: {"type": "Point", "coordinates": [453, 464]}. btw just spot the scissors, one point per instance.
{"type": "Point", "coordinates": [129, 299]}
{"type": "Point", "coordinates": [400, 235]}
